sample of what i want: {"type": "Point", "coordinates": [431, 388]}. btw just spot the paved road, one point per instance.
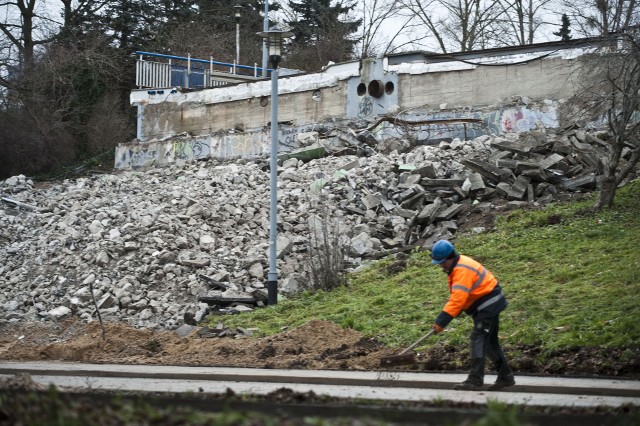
{"type": "Point", "coordinates": [400, 386]}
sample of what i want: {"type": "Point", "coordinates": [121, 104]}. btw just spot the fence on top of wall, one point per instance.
{"type": "Point", "coordinates": [156, 70]}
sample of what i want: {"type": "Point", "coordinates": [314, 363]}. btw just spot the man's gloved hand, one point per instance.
{"type": "Point", "coordinates": [437, 328]}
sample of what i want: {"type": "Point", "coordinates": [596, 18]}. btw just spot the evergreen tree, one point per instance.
{"type": "Point", "coordinates": [318, 21]}
{"type": "Point", "coordinates": [317, 18]}
{"type": "Point", "coordinates": [564, 32]}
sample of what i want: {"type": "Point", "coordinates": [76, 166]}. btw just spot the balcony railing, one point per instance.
{"type": "Point", "coordinates": [156, 70]}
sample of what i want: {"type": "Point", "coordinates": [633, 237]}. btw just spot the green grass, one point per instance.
{"type": "Point", "coordinates": [570, 275]}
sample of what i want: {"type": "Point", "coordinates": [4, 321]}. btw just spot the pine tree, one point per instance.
{"type": "Point", "coordinates": [318, 18]}
{"type": "Point", "coordinates": [565, 31]}
{"type": "Point", "coordinates": [318, 21]}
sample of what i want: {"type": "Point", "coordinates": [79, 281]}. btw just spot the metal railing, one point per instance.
{"type": "Point", "coordinates": [177, 71]}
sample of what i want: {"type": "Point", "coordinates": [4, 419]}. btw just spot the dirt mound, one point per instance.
{"type": "Point", "coordinates": [315, 345]}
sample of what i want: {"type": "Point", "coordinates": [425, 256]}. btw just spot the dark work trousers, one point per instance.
{"type": "Point", "coordinates": [484, 343]}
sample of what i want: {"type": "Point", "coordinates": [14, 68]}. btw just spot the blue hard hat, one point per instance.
{"type": "Point", "coordinates": [440, 251]}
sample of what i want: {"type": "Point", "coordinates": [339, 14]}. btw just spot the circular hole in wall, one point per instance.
{"type": "Point", "coordinates": [264, 101]}
{"type": "Point", "coordinates": [362, 89]}
{"type": "Point", "coordinates": [376, 88]}
{"type": "Point", "coordinates": [316, 96]}
{"type": "Point", "coordinates": [389, 87]}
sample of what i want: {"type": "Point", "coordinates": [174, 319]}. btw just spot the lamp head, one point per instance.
{"type": "Point", "coordinates": [274, 38]}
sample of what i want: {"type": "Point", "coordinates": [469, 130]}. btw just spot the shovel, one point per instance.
{"type": "Point", "coordinates": [404, 357]}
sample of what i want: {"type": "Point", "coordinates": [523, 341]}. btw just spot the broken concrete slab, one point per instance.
{"type": "Point", "coordinates": [519, 188]}
{"type": "Point", "coordinates": [583, 181]}
{"type": "Point", "coordinates": [485, 168]}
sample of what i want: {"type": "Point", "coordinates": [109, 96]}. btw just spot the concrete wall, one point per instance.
{"type": "Point", "coordinates": [553, 78]}
{"type": "Point", "coordinates": [184, 115]}
{"type": "Point", "coordinates": [233, 121]}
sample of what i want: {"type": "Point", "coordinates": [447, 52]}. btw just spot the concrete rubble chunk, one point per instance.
{"type": "Point", "coordinates": [526, 166]}
{"type": "Point", "coordinates": [407, 180]}
{"type": "Point", "coordinates": [130, 246]}
{"type": "Point", "coordinates": [409, 193]}
{"type": "Point", "coordinates": [518, 147]}
{"type": "Point", "coordinates": [427, 171]}
{"type": "Point", "coordinates": [519, 188]}
{"type": "Point", "coordinates": [433, 184]}
{"type": "Point", "coordinates": [102, 259]}
{"type": "Point", "coordinates": [206, 241]}
{"type": "Point", "coordinates": [583, 181]}
{"type": "Point", "coordinates": [283, 246]}
{"type": "Point", "coordinates": [430, 211]}
{"type": "Point", "coordinates": [484, 168]}
{"type": "Point", "coordinates": [389, 243]}
{"type": "Point", "coordinates": [106, 301]}
{"type": "Point", "coordinates": [551, 161]}
{"type": "Point", "coordinates": [507, 163]}
{"type": "Point", "coordinates": [406, 213]}
{"type": "Point", "coordinates": [361, 244]}
{"type": "Point", "coordinates": [476, 183]}
{"type": "Point", "coordinates": [371, 201]}
{"type": "Point", "coordinates": [256, 270]}
{"type": "Point", "coordinates": [196, 262]}
{"type": "Point", "coordinates": [306, 154]}
{"type": "Point", "coordinates": [185, 330]}
{"type": "Point", "coordinates": [59, 313]}
{"type": "Point", "coordinates": [449, 212]}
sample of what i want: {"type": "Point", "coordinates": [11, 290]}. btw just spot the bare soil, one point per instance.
{"type": "Point", "coordinates": [315, 345]}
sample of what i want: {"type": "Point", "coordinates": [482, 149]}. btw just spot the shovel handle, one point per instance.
{"type": "Point", "coordinates": [418, 342]}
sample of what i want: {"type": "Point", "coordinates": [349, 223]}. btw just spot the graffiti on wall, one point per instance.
{"type": "Point", "coordinates": [521, 119]}
{"type": "Point", "coordinates": [257, 143]}
{"type": "Point", "coordinates": [508, 120]}
{"type": "Point", "coordinates": [242, 145]}
{"type": "Point", "coordinates": [136, 156]}
{"type": "Point", "coordinates": [188, 150]}
{"type": "Point", "coordinates": [239, 145]}
{"type": "Point", "coordinates": [289, 137]}
{"type": "Point", "coordinates": [365, 107]}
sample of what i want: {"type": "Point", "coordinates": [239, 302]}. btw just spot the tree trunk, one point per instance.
{"type": "Point", "coordinates": [607, 192]}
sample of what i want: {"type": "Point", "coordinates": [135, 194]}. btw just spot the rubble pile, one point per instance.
{"type": "Point", "coordinates": [163, 247]}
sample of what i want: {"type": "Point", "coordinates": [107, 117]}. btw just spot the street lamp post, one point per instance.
{"type": "Point", "coordinates": [237, 15]}
{"type": "Point", "coordinates": [274, 40]}
{"type": "Point", "coordinates": [265, 28]}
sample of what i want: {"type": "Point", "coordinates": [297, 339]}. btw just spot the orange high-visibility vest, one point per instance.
{"type": "Point", "coordinates": [468, 282]}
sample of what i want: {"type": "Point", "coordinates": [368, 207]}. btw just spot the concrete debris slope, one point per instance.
{"type": "Point", "coordinates": [160, 247]}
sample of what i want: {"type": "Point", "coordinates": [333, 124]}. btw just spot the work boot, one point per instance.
{"type": "Point", "coordinates": [468, 385]}
{"type": "Point", "coordinates": [503, 382]}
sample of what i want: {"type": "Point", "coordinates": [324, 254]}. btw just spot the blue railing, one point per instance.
{"type": "Point", "coordinates": [177, 71]}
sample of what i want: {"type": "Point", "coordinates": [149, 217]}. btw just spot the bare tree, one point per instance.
{"type": "Point", "coordinates": [458, 25]}
{"type": "Point", "coordinates": [601, 17]}
{"type": "Point", "coordinates": [520, 20]}
{"type": "Point", "coordinates": [20, 29]}
{"type": "Point", "coordinates": [376, 15]}
{"type": "Point", "coordinates": [613, 96]}
{"type": "Point", "coordinates": [32, 24]}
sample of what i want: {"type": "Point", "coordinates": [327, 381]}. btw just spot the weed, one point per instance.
{"type": "Point", "coordinates": [327, 250]}
{"type": "Point", "coordinates": [153, 346]}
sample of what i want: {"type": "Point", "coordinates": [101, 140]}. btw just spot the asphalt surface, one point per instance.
{"type": "Point", "coordinates": [545, 391]}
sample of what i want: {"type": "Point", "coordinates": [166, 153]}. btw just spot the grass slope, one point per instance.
{"type": "Point", "coordinates": [570, 275]}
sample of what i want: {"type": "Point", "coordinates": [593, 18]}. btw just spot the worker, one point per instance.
{"type": "Point", "coordinates": [474, 290]}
